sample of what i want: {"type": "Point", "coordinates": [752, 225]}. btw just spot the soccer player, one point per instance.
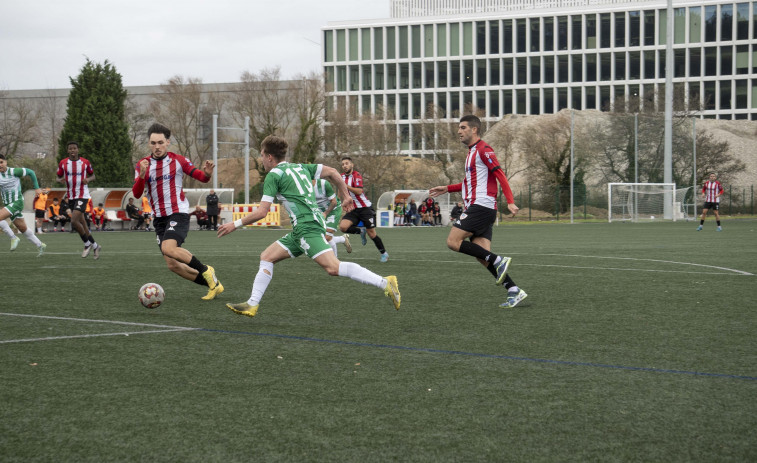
{"type": "Point", "coordinates": [471, 234]}
{"type": "Point", "coordinates": [711, 192]}
{"type": "Point", "coordinates": [292, 184]}
{"type": "Point", "coordinates": [161, 176]}
{"type": "Point", "coordinates": [13, 198]}
{"type": "Point", "coordinates": [363, 209]}
{"type": "Point", "coordinates": [76, 172]}
{"type": "Point", "coordinates": [331, 206]}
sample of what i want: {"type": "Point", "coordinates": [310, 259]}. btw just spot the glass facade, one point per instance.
{"type": "Point", "coordinates": [531, 63]}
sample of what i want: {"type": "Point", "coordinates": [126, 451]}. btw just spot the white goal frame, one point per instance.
{"type": "Point", "coordinates": [628, 202]}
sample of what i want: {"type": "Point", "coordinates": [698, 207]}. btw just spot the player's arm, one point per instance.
{"type": "Point", "coordinates": [342, 190]}
{"type": "Point", "coordinates": [332, 206]}
{"type": "Point", "coordinates": [28, 173]}
{"type": "Point", "coordinates": [502, 179]}
{"type": "Point", "coordinates": [440, 190]}
{"type": "Point", "coordinates": [139, 181]}
{"type": "Point", "coordinates": [720, 190]}
{"type": "Point", "coordinates": [256, 215]}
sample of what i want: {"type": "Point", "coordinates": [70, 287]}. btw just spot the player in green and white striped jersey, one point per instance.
{"type": "Point", "coordinates": [331, 206]}
{"type": "Point", "coordinates": [13, 198]}
{"type": "Point", "coordinates": [292, 185]}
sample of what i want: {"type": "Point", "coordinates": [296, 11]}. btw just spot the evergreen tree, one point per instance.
{"type": "Point", "coordinates": [95, 119]}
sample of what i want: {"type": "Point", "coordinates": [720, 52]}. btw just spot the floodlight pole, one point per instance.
{"type": "Point", "coordinates": [668, 158]}
{"type": "Point", "coordinates": [247, 160]}
{"type": "Point", "coordinates": [694, 169]}
{"type": "Point", "coordinates": [636, 164]}
{"type": "Point", "coordinates": [215, 151]}
{"type": "Point", "coordinates": [572, 117]}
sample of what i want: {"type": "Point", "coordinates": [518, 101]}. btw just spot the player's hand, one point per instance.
{"type": "Point", "coordinates": [513, 208]}
{"type": "Point", "coordinates": [348, 204]}
{"type": "Point", "coordinates": [437, 190]}
{"type": "Point", "coordinates": [208, 167]}
{"type": "Point", "coordinates": [225, 229]}
{"type": "Point", "coordinates": [144, 164]}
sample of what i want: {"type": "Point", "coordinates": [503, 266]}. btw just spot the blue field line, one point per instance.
{"type": "Point", "coordinates": [488, 356]}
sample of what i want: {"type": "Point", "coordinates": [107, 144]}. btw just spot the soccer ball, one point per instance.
{"type": "Point", "coordinates": [151, 295]}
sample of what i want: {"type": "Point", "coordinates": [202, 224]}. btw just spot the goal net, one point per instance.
{"type": "Point", "coordinates": [647, 201]}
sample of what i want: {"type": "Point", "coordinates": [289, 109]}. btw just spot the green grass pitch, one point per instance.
{"type": "Point", "coordinates": [636, 343]}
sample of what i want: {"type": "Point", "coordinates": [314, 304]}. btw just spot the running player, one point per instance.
{"type": "Point", "coordinates": [292, 185]}
{"type": "Point", "coordinates": [711, 192]}
{"type": "Point", "coordinates": [13, 198]}
{"type": "Point", "coordinates": [76, 172]}
{"type": "Point", "coordinates": [363, 209]}
{"type": "Point", "coordinates": [471, 234]}
{"type": "Point", "coordinates": [331, 206]}
{"type": "Point", "coordinates": [161, 177]}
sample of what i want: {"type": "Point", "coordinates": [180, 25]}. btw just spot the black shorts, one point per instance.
{"type": "Point", "coordinates": [79, 204]}
{"type": "Point", "coordinates": [172, 227]}
{"type": "Point", "coordinates": [711, 206]}
{"type": "Point", "coordinates": [40, 214]}
{"type": "Point", "coordinates": [366, 214]}
{"type": "Point", "coordinates": [477, 220]}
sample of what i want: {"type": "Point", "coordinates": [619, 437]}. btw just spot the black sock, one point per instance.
{"type": "Point", "coordinates": [200, 280]}
{"type": "Point", "coordinates": [197, 265]}
{"type": "Point", "coordinates": [701, 222]}
{"type": "Point", "coordinates": [353, 230]}
{"type": "Point", "coordinates": [718, 223]}
{"type": "Point", "coordinates": [379, 244]}
{"type": "Point", "coordinates": [472, 249]}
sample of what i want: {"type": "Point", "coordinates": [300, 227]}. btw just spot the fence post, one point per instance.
{"type": "Point", "coordinates": [586, 198]}
{"type": "Point", "coordinates": [752, 202]}
{"type": "Point", "coordinates": [557, 202]}
{"type": "Point", "coordinates": [730, 198]}
{"type": "Point", "coordinates": [529, 202]}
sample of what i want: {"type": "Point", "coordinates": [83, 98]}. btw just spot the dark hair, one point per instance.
{"type": "Point", "coordinates": [473, 121]}
{"type": "Point", "coordinates": [72, 143]}
{"type": "Point", "coordinates": [2, 156]}
{"type": "Point", "coordinates": [275, 146]}
{"type": "Point", "coordinates": [159, 128]}
{"type": "Point", "coordinates": [347, 158]}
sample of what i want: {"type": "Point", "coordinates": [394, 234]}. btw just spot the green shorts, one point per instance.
{"type": "Point", "coordinates": [332, 220]}
{"type": "Point", "coordinates": [16, 209]}
{"type": "Point", "coordinates": [306, 239]}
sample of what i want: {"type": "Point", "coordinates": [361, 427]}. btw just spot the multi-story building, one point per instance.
{"type": "Point", "coordinates": [538, 57]}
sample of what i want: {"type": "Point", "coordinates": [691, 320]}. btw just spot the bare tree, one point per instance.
{"type": "Point", "coordinates": [309, 105]}
{"type": "Point", "coordinates": [138, 122]}
{"type": "Point", "coordinates": [19, 124]}
{"type": "Point", "coordinates": [51, 112]}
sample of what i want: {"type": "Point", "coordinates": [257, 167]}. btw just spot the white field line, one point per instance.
{"type": "Point", "coordinates": [164, 328]}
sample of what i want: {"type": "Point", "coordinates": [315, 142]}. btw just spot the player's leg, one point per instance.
{"type": "Point", "coordinates": [368, 215]}
{"type": "Point", "coordinates": [717, 217]}
{"type": "Point", "coordinates": [276, 252]}
{"type": "Point", "coordinates": [701, 221]}
{"type": "Point", "coordinates": [29, 234]}
{"type": "Point", "coordinates": [79, 223]}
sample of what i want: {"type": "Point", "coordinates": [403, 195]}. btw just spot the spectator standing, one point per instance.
{"type": "Point", "coordinates": [40, 208]}
{"type": "Point", "coordinates": [146, 212]}
{"type": "Point", "coordinates": [213, 209]}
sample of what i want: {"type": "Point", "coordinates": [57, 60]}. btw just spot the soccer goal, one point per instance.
{"type": "Point", "coordinates": [646, 202]}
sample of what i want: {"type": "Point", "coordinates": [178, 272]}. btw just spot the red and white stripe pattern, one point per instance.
{"type": "Point", "coordinates": [74, 173]}
{"type": "Point", "coordinates": [355, 180]}
{"type": "Point", "coordinates": [480, 184]}
{"type": "Point", "coordinates": [164, 184]}
{"type": "Point", "coordinates": [711, 191]}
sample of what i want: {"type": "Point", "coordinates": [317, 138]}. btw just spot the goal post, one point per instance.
{"type": "Point", "coordinates": [638, 202]}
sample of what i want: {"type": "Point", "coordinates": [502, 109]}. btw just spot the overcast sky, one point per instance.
{"type": "Point", "coordinates": [44, 42]}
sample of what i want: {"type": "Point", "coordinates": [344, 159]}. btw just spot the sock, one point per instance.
{"type": "Point", "coordinates": [337, 239]}
{"type": "Point", "coordinates": [718, 223]}
{"type": "Point", "coordinates": [30, 236]}
{"type": "Point", "coordinates": [332, 243]}
{"type": "Point", "coordinates": [353, 230]}
{"type": "Point", "coordinates": [262, 279]}
{"type": "Point", "coordinates": [513, 289]}
{"type": "Point", "coordinates": [701, 222]}
{"type": "Point", "coordinates": [472, 249]}
{"type": "Point", "coordinates": [200, 280]}
{"type": "Point", "coordinates": [6, 229]}
{"type": "Point", "coordinates": [197, 265]}
{"type": "Point", "coordinates": [361, 274]}
{"type": "Point", "coordinates": [379, 244]}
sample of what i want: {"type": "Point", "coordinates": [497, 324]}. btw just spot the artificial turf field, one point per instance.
{"type": "Point", "coordinates": [636, 343]}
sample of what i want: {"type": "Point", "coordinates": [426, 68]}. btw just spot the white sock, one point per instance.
{"type": "Point", "coordinates": [6, 229]}
{"type": "Point", "coordinates": [513, 289]}
{"type": "Point", "coordinates": [337, 239]}
{"type": "Point", "coordinates": [30, 236]}
{"type": "Point", "coordinates": [262, 279]}
{"type": "Point", "coordinates": [333, 246]}
{"type": "Point", "coordinates": [361, 274]}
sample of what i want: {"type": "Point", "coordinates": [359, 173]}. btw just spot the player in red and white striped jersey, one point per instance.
{"type": "Point", "coordinates": [471, 234]}
{"type": "Point", "coordinates": [711, 192]}
{"type": "Point", "coordinates": [162, 175]}
{"type": "Point", "coordinates": [76, 173]}
{"type": "Point", "coordinates": [363, 209]}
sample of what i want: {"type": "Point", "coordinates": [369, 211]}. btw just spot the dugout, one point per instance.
{"type": "Point", "coordinates": [386, 202]}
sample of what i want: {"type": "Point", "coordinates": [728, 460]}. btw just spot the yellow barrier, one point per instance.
{"type": "Point", "coordinates": [272, 219]}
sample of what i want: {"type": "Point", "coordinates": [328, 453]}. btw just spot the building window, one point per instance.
{"type": "Point", "coordinates": [366, 104]}
{"type": "Point", "coordinates": [534, 101]}
{"type": "Point", "coordinates": [591, 98]}
{"type": "Point", "coordinates": [562, 98]}
{"type": "Point", "coordinates": [754, 28]}
{"type": "Point", "coordinates": [634, 65]}
{"type": "Point", "coordinates": [754, 93]}
{"type": "Point", "coordinates": [726, 22]}
{"type": "Point", "coordinates": [354, 78]}
{"type": "Point", "coordinates": [591, 67]}
{"type": "Point", "coordinates": [694, 92]}
{"type": "Point", "coordinates": [391, 76]}
{"type": "Point", "coordinates": [663, 23]}
{"type": "Point", "coordinates": [562, 33]}
{"type": "Point", "coordinates": [391, 43]}
{"type": "Point", "coordinates": [507, 36]}
{"type": "Point", "coordinates": [620, 65]}
{"type": "Point", "coordinates": [605, 31]}
{"type": "Point", "coordinates": [341, 78]}
{"type": "Point", "coordinates": [391, 107]}
{"type": "Point", "coordinates": [416, 71]}
{"type": "Point", "coordinates": [754, 59]}
{"type": "Point", "coordinates": [535, 34]}
{"type": "Point", "coordinates": [661, 64]}
{"type": "Point", "coordinates": [577, 66]}
{"type": "Point", "coordinates": [634, 28]}
{"type": "Point", "coordinates": [680, 63]}
{"type": "Point", "coordinates": [416, 105]}
{"type": "Point", "coordinates": [679, 25]}
{"type": "Point", "coordinates": [726, 60]}
{"type": "Point", "coordinates": [454, 39]}
{"type": "Point", "coordinates": [507, 102]}
{"type": "Point", "coordinates": [403, 41]}
{"type": "Point", "coordinates": [742, 59]}
{"type": "Point", "coordinates": [442, 104]}
{"type": "Point", "coordinates": [575, 98]}
{"type": "Point", "coordinates": [695, 62]}
{"type": "Point", "coordinates": [416, 38]}
{"type": "Point", "coordinates": [520, 25]}
{"type": "Point", "coordinates": [378, 77]}
{"type": "Point", "coordinates": [468, 73]}
{"type": "Point", "coordinates": [605, 66]}
{"type": "Point", "coordinates": [562, 69]}
{"type": "Point", "coordinates": [441, 39]}
{"type": "Point", "coordinates": [549, 100]}
{"type": "Point", "coordinates": [353, 45]}
{"type": "Point", "coordinates": [604, 98]}
{"type": "Point", "coordinates": [341, 45]}
{"type": "Point", "coordinates": [481, 72]}
{"type": "Point", "coordinates": [576, 29]}
{"type": "Point", "coordinates": [494, 69]}
{"type": "Point", "coordinates": [441, 73]}
{"type": "Point", "coordinates": [725, 94]}
{"type": "Point", "coordinates": [549, 69]}
{"type": "Point", "coordinates": [507, 71]}
{"type": "Point", "coordinates": [366, 71]}
{"type": "Point", "coordinates": [620, 29]}
{"type": "Point", "coordinates": [710, 61]}
{"type": "Point", "coordinates": [520, 100]}
{"type": "Point", "coordinates": [521, 71]}
{"type": "Point", "coordinates": [481, 37]}
{"type": "Point", "coordinates": [695, 24]}
{"type": "Point", "coordinates": [710, 23]}
{"type": "Point", "coordinates": [328, 46]}
{"type": "Point", "coordinates": [454, 104]}
{"type": "Point", "coordinates": [481, 101]}
{"type": "Point", "coordinates": [428, 41]}
{"type": "Point", "coordinates": [494, 108]}
{"type": "Point", "coordinates": [709, 96]}
{"type": "Point", "coordinates": [454, 74]}
{"type": "Point", "coordinates": [740, 99]}
{"type": "Point", "coordinates": [548, 43]}
{"type": "Point", "coordinates": [468, 38]}
{"type": "Point", "coordinates": [365, 43]}
{"type": "Point", "coordinates": [428, 72]}
{"type": "Point", "coordinates": [535, 69]}
{"type": "Point", "coordinates": [648, 27]}
{"type": "Point", "coordinates": [378, 43]}
{"type": "Point", "coordinates": [493, 37]}
{"type": "Point", "coordinates": [404, 76]}
{"type": "Point", "coordinates": [742, 21]}
{"type": "Point", "coordinates": [404, 109]}
{"type": "Point", "coordinates": [649, 68]}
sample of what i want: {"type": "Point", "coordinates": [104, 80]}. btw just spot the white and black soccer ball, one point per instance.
{"type": "Point", "coordinates": [151, 295]}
